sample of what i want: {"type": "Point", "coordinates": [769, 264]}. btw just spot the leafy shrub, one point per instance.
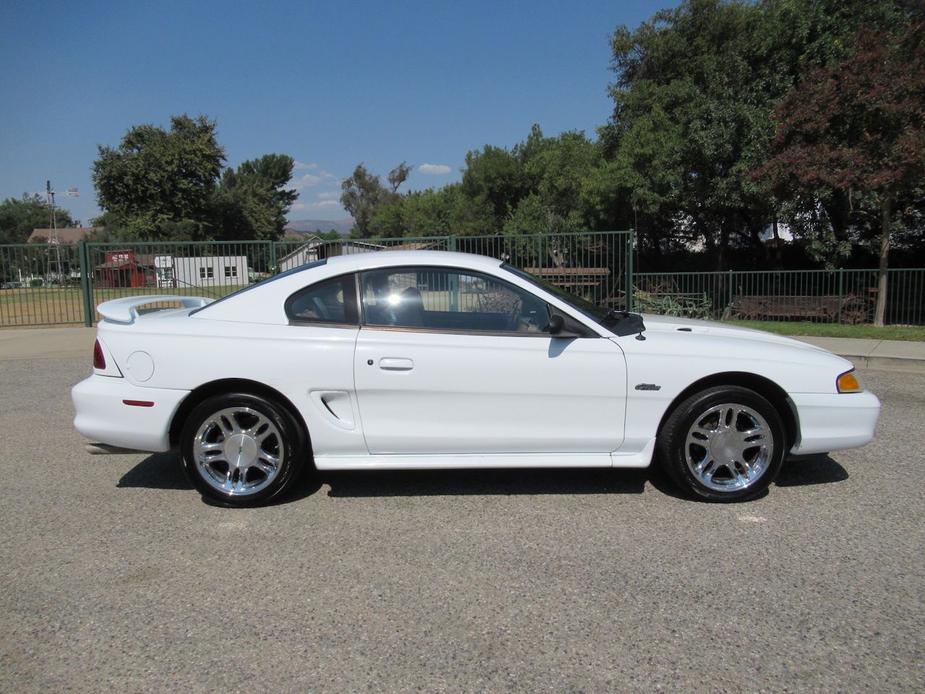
{"type": "Point", "coordinates": [686, 306]}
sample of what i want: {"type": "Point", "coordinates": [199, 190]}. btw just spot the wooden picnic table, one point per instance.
{"type": "Point", "coordinates": [849, 308]}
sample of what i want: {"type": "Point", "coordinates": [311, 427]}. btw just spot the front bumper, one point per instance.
{"type": "Point", "coordinates": [834, 422]}
{"type": "Point", "coordinates": [103, 417]}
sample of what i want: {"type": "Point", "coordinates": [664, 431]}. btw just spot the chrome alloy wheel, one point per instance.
{"type": "Point", "coordinates": [729, 447]}
{"type": "Point", "coordinates": [238, 451]}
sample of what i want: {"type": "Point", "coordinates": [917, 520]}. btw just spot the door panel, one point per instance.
{"type": "Point", "coordinates": [470, 393]}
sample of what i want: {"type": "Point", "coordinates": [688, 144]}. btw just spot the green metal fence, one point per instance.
{"type": "Point", "coordinates": [40, 289]}
{"type": "Point", "coordinates": [56, 284]}
{"type": "Point", "coordinates": [824, 296]}
{"type": "Point", "coordinates": [42, 284]}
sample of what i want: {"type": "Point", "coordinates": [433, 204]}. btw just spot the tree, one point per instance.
{"type": "Point", "coordinates": [252, 201]}
{"type": "Point", "coordinates": [443, 212]}
{"type": "Point", "coordinates": [533, 187]}
{"type": "Point", "coordinates": [398, 175]}
{"type": "Point", "coordinates": [364, 196]}
{"type": "Point", "coordinates": [158, 179]}
{"type": "Point", "coordinates": [19, 217]}
{"type": "Point", "coordinates": [640, 185]}
{"type": "Point", "coordinates": [694, 94]}
{"type": "Point", "coordinates": [555, 170]}
{"type": "Point", "coordinates": [855, 131]}
{"type": "Point", "coordinates": [495, 177]}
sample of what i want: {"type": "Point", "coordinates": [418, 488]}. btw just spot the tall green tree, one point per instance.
{"type": "Point", "coordinates": [702, 70]}
{"type": "Point", "coordinates": [555, 170]}
{"type": "Point", "coordinates": [362, 193]}
{"type": "Point", "coordinates": [494, 177]}
{"type": "Point", "coordinates": [364, 196]}
{"type": "Point", "coordinates": [19, 217]}
{"type": "Point", "coordinates": [398, 175]}
{"type": "Point", "coordinates": [251, 201]}
{"type": "Point", "coordinates": [158, 182]}
{"type": "Point", "coordinates": [442, 212]}
{"type": "Point", "coordinates": [856, 131]}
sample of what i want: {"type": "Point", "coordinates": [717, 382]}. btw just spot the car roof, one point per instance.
{"type": "Point", "coordinates": [387, 258]}
{"type": "Point", "coordinates": [266, 298]}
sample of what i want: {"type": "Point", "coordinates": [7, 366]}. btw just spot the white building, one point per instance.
{"type": "Point", "coordinates": [305, 253]}
{"type": "Point", "coordinates": [317, 248]}
{"type": "Point", "coordinates": [163, 267]}
{"type": "Point", "coordinates": [208, 271]}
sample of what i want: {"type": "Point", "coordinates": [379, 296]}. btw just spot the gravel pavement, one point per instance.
{"type": "Point", "coordinates": [115, 574]}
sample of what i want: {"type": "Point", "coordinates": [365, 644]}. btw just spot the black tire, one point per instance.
{"type": "Point", "coordinates": [293, 446]}
{"type": "Point", "coordinates": [672, 443]}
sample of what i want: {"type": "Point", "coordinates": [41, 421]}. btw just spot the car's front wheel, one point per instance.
{"type": "Point", "coordinates": [241, 449]}
{"type": "Point", "coordinates": [725, 443]}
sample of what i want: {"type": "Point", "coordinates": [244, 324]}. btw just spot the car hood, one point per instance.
{"type": "Point", "coordinates": [668, 324]}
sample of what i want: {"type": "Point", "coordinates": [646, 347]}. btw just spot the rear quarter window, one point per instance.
{"type": "Point", "coordinates": [331, 301]}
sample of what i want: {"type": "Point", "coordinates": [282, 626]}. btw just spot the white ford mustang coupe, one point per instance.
{"type": "Point", "coordinates": [424, 359]}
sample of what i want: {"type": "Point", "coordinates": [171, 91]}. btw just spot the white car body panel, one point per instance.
{"type": "Point", "coordinates": [468, 400]}
{"type": "Point", "coordinates": [800, 369]}
{"type": "Point", "coordinates": [456, 393]}
{"type": "Point", "coordinates": [102, 415]}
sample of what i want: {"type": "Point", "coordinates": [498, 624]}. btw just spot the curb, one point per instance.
{"type": "Point", "coordinates": [873, 353]}
{"type": "Point", "coordinates": [907, 364]}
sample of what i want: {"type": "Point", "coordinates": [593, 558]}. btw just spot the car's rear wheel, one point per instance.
{"type": "Point", "coordinates": [241, 449]}
{"type": "Point", "coordinates": [725, 443]}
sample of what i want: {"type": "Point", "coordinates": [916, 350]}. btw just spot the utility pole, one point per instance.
{"type": "Point", "coordinates": [50, 199]}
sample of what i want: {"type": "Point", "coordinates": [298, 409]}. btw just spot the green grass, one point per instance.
{"type": "Point", "coordinates": [58, 306]}
{"type": "Point", "coordinates": [889, 332]}
{"type": "Point", "coordinates": [64, 305]}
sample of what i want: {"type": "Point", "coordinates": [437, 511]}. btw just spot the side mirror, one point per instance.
{"type": "Point", "coordinates": [556, 324]}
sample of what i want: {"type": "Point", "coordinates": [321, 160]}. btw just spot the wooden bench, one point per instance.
{"type": "Point", "coordinates": [828, 308]}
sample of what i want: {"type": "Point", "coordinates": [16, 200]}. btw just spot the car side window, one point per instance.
{"type": "Point", "coordinates": [433, 298]}
{"type": "Point", "coordinates": [329, 301]}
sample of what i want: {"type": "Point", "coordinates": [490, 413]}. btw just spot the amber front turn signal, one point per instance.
{"type": "Point", "coordinates": [848, 382]}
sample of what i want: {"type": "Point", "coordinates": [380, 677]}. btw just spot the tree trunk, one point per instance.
{"type": "Point", "coordinates": [723, 244]}
{"type": "Point", "coordinates": [777, 249]}
{"type": "Point", "coordinates": [885, 210]}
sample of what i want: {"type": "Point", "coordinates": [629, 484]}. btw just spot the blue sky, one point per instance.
{"type": "Point", "coordinates": [331, 84]}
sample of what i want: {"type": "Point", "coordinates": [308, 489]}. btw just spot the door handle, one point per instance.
{"type": "Point", "coordinates": [395, 364]}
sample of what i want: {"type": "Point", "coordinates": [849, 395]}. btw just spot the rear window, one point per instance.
{"type": "Point", "coordinates": [330, 301]}
{"type": "Point", "coordinates": [261, 283]}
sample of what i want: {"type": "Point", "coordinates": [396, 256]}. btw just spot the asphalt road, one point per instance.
{"type": "Point", "coordinates": [115, 575]}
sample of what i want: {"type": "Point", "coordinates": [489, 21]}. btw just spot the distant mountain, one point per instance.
{"type": "Point", "coordinates": [341, 226]}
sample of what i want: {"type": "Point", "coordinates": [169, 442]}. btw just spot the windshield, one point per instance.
{"type": "Point", "coordinates": [599, 314]}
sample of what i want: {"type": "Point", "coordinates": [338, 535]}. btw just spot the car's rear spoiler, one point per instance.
{"type": "Point", "coordinates": [126, 310]}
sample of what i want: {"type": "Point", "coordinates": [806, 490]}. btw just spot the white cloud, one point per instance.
{"type": "Point", "coordinates": [310, 180]}
{"type": "Point", "coordinates": [317, 205]}
{"type": "Point", "coordinates": [323, 200]}
{"type": "Point", "coordinates": [301, 165]}
{"type": "Point", "coordinates": [434, 169]}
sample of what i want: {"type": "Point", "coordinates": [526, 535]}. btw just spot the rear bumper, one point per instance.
{"type": "Point", "coordinates": [834, 422]}
{"type": "Point", "coordinates": [103, 417]}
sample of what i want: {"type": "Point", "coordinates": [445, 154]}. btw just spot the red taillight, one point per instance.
{"type": "Point", "coordinates": [99, 361]}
